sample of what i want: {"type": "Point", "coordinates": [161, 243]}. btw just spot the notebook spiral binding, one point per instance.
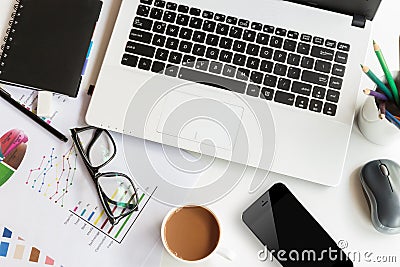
{"type": "Point", "coordinates": [10, 32]}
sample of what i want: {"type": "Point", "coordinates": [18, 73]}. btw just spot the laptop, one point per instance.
{"type": "Point", "coordinates": [270, 84]}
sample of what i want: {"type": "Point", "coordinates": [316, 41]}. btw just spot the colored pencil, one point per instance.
{"type": "Point", "coordinates": [378, 82]}
{"type": "Point", "coordinates": [392, 119]}
{"type": "Point", "coordinates": [386, 70]}
{"type": "Point", "coordinates": [382, 110]}
{"type": "Point", "coordinates": [375, 94]}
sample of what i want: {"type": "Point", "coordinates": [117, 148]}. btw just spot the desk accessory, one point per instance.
{"type": "Point", "coordinates": [7, 97]}
{"type": "Point", "coordinates": [45, 104]}
{"type": "Point", "coordinates": [47, 44]}
{"type": "Point", "coordinates": [380, 180]}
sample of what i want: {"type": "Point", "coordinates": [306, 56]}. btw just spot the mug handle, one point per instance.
{"type": "Point", "coordinates": [226, 253]}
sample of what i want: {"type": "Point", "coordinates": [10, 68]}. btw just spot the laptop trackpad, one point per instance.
{"type": "Point", "coordinates": [206, 121]}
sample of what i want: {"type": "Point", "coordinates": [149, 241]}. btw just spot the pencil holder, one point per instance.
{"type": "Point", "coordinates": [376, 130]}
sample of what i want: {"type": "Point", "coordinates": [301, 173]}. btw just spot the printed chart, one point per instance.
{"type": "Point", "coordinates": [54, 175]}
{"type": "Point", "coordinates": [93, 223]}
{"type": "Point", "coordinates": [14, 247]}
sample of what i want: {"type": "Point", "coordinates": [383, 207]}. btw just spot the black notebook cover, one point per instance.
{"type": "Point", "coordinates": [47, 44]}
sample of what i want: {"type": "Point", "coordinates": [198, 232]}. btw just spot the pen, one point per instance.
{"type": "Point", "coordinates": [388, 75]}
{"type": "Point", "coordinates": [7, 97]}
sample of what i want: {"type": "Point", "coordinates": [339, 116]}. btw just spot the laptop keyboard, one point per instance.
{"type": "Point", "coordinates": [231, 53]}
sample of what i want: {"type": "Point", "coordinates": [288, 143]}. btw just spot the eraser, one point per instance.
{"type": "Point", "coordinates": [45, 104]}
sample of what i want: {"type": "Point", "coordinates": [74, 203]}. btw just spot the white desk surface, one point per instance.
{"type": "Point", "coordinates": [342, 210]}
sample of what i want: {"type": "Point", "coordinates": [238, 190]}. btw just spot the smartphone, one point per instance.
{"type": "Point", "coordinates": [289, 232]}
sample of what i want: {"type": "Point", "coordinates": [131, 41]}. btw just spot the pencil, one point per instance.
{"type": "Point", "coordinates": [392, 119]}
{"type": "Point", "coordinates": [377, 95]}
{"type": "Point", "coordinates": [388, 75]}
{"type": "Point", "coordinates": [382, 110]}
{"type": "Point", "coordinates": [7, 97]}
{"type": "Point", "coordinates": [377, 81]}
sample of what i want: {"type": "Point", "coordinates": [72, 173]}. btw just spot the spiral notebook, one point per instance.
{"type": "Point", "coordinates": [47, 44]}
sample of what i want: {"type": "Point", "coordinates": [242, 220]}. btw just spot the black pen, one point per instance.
{"type": "Point", "coordinates": [6, 96]}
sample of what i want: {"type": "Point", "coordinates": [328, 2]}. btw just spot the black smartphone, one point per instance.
{"type": "Point", "coordinates": [290, 233]}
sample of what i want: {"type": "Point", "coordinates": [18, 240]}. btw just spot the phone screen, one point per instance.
{"type": "Point", "coordinates": [290, 233]}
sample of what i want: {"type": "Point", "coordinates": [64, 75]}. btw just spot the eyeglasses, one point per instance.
{"type": "Point", "coordinates": [116, 190]}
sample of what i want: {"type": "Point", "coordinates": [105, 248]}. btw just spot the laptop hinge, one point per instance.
{"type": "Point", "coordinates": [359, 21]}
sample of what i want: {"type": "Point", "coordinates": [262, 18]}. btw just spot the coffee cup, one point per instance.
{"type": "Point", "coordinates": [192, 234]}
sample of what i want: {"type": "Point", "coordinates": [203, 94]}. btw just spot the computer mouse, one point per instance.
{"type": "Point", "coordinates": [380, 181]}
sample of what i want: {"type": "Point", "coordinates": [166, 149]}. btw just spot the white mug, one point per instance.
{"type": "Point", "coordinates": [226, 253]}
{"type": "Point", "coordinates": [376, 130]}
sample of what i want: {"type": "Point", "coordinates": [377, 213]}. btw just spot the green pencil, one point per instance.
{"type": "Point", "coordinates": [388, 75]}
{"type": "Point", "coordinates": [378, 82]}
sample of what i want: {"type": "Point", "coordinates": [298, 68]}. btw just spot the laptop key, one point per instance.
{"type": "Point", "coordinates": [231, 20]}
{"type": "Point", "coordinates": [239, 59]}
{"type": "Point", "coordinates": [195, 23]}
{"type": "Point", "coordinates": [284, 84]}
{"type": "Point", "coordinates": [225, 56]}
{"type": "Point", "coordinates": [229, 71]}
{"type": "Point", "coordinates": [171, 6]}
{"type": "Point", "coordinates": [280, 56]}
{"type": "Point", "coordinates": [185, 47]}
{"type": "Point", "coordinates": [290, 45]}
{"type": "Point", "coordinates": [244, 23]}
{"type": "Point", "coordinates": [199, 50]}
{"type": "Point", "coordinates": [208, 14]}
{"type": "Point", "coordinates": [212, 39]}
{"type": "Point", "coordinates": [183, 8]}
{"type": "Point", "coordinates": [162, 54]}
{"type": "Point", "coordinates": [222, 29]}
{"type": "Point", "coordinates": [293, 73]}
{"type": "Point", "coordinates": [147, 2]}
{"type": "Point", "coordinates": [315, 105]}
{"type": "Point", "coordinates": [270, 80]}
{"type": "Point", "coordinates": [318, 92]}
{"type": "Point", "coordinates": [333, 96]}
{"type": "Point", "coordinates": [172, 43]}
{"type": "Point", "coordinates": [314, 77]}
{"type": "Point", "coordinates": [236, 32]}
{"type": "Point", "coordinates": [243, 74]}
{"type": "Point", "coordinates": [301, 102]}
{"type": "Point", "coordinates": [276, 42]}
{"type": "Point", "coordinates": [343, 47]}
{"type": "Point", "coordinates": [262, 38]}
{"type": "Point", "coordinates": [140, 49]}
{"type": "Point", "coordinates": [323, 66]}
{"type": "Point", "coordinates": [253, 49]}
{"type": "Point", "coordinates": [209, 26]}
{"type": "Point", "coordinates": [144, 64]}
{"type": "Point", "coordinates": [143, 10]}
{"type": "Point", "coordinates": [158, 67]}
{"type": "Point", "coordinates": [215, 67]}
{"type": "Point", "coordinates": [293, 35]}
{"type": "Point", "coordinates": [156, 13]}
{"type": "Point", "coordinates": [266, 66]}
{"type": "Point", "coordinates": [330, 109]}
{"type": "Point", "coordinates": [335, 83]}
{"type": "Point", "coordinates": [280, 69]}
{"type": "Point", "coordinates": [142, 23]}
{"type": "Point", "coordinates": [253, 90]}
{"type": "Point", "coordinates": [249, 35]}
{"type": "Point", "coordinates": [159, 3]}
{"type": "Point", "coordinates": [185, 33]}
{"type": "Point", "coordinates": [268, 29]}
{"type": "Point", "coordinates": [195, 11]}
{"type": "Point", "coordinates": [338, 70]}
{"type": "Point", "coordinates": [280, 32]}
{"type": "Point", "coordinates": [141, 36]}
{"type": "Point", "coordinates": [341, 57]}
{"type": "Point", "coordinates": [188, 61]}
{"type": "Point", "coordinates": [307, 62]}
{"type": "Point", "coordinates": [129, 60]}
{"type": "Point", "coordinates": [212, 53]}
{"type": "Point", "coordinates": [330, 43]}
{"type": "Point", "coordinates": [322, 52]}
{"type": "Point", "coordinates": [253, 63]}
{"type": "Point", "coordinates": [159, 27]}
{"type": "Point", "coordinates": [212, 80]}
{"type": "Point", "coordinates": [202, 64]}
{"type": "Point", "coordinates": [225, 43]}
{"type": "Point", "coordinates": [301, 88]}
{"type": "Point", "coordinates": [266, 53]}
{"type": "Point", "coordinates": [239, 46]}
{"type": "Point", "coordinates": [305, 38]}
{"type": "Point", "coordinates": [318, 40]}
{"type": "Point", "coordinates": [175, 57]}
{"type": "Point", "coordinates": [169, 16]}
{"type": "Point", "coordinates": [267, 93]}
{"type": "Point", "coordinates": [256, 26]}
{"type": "Point", "coordinates": [219, 17]}
{"type": "Point", "coordinates": [284, 98]}
{"type": "Point", "coordinates": [199, 36]}
{"type": "Point", "coordinates": [159, 40]}
{"type": "Point", "coordinates": [303, 48]}
{"type": "Point", "coordinates": [182, 19]}
{"type": "Point", "coordinates": [293, 59]}
{"type": "Point", "coordinates": [171, 70]}
{"type": "Point", "coordinates": [172, 30]}
{"type": "Point", "coordinates": [256, 77]}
